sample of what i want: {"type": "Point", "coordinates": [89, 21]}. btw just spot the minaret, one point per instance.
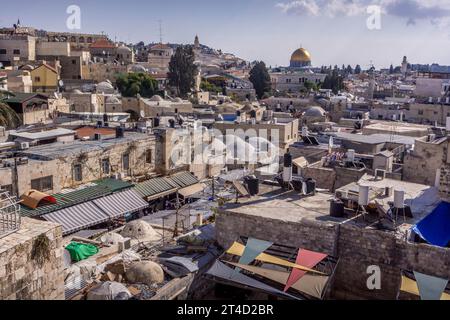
{"type": "Point", "coordinates": [196, 43]}
{"type": "Point", "coordinates": [404, 66]}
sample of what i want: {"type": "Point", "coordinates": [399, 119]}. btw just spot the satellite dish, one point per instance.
{"type": "Point", "coordinates": [61, 83]}
{"type": "Point", "coordinates": [142, 113]}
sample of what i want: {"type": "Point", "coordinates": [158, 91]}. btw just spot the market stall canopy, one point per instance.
{"type": "Point", "coordinates": [410, 286]}
{"type": "Point", "coordinates": [118, 204]}
{"type": "Point", "coordinates": [33, 198]}
{"type": "Point", "coordinates": [78, 217]}
{"type": "Point", "coordinates": [300, 162]}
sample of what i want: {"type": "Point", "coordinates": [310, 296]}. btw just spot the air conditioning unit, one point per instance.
{"type": "Point", "coordinates": [125, 244]}
{"type": "Point", "coordinates": [23, 145]}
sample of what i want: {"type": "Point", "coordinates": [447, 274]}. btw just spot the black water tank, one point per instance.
{"type": "Point", "coordinates": [106, 124]}
{"type": "Point", "coordinates": [172, 123]}
{"type": "Point", "coordinates": [99, 124]}
{"type": "Point", "coordinates": [337, 209]}
{"type": "Point", "coordinates": [311, 186]}
{"type": "Point", "coordinates": [253, 114]}
{"type": "Point", "coordinates": [120, 132]}
{"type": "Point", "coordinates": [155, 122]}
{"type": "Point", "coordinates": [287, 160]}
{"type": "Point", "coordinates": [252, 185]}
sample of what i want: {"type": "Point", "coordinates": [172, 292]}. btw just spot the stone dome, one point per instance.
{"type": "Point", "coordinates": [105, 86]}
{"type": "Point", "coordinates": [145, 272]}
{"type": "Point", "coordinates": [315, 112]}
{"type": "Point", "coordinates": [138, 68]}
{"type": "Point", "coordinates": [112, 100]}
{"type": "Point", "coordinates": [124, 49]}
{"type": "Point", "coordinates": [156, 98]}
{"type": "Point", "coordinates": [140, 230]}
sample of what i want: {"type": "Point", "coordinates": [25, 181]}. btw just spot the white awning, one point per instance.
{"type": "Point", "coordinates": [191, 190]}
{"type": "Point", "coordinates": [121, 203]}
{"type": "Point", "coordinates": [300, 162]}
{"type": "Point", "coordinates": [78, 217]}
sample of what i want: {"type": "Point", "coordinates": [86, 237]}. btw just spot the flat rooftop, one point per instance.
{"type": "Point", "coordinates": [61, 149]}
{"type": "Point", "coordinates": [376, 138]}
{"type": "Point", "coordinates": [288, 206]}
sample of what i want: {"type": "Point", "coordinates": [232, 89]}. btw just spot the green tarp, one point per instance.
{"type": "Point", "coordinates": [81, 251]}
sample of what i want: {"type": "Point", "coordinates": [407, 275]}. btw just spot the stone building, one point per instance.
{"type": "Point", "coordinates": [26, 276]}
{"type": "Point", "coordinates": [45, 78]}
{"type": "Point", "coordinates": [293, 220]}
{"type": "Point", "coordinates": [17, 48]}
{"type": "Point", "coordinates": [59, 165]}
{"type": "Point", "coordinates": [159, 56]}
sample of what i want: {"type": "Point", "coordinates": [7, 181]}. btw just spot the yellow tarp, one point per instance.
{"type": "Point", "coordinates": [312, 285]}
{"type": "Point", "coordinates": [237, 249]}
{"type": "Point", "coordinates": [410, 286]}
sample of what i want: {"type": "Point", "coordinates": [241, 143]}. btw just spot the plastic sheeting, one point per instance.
{"type": "Point", "coordinates": [430, 288]}
{"type": "Point", "coordinates": [253, 249]}
{"type": "Point", "coordinates": [221, 271]}
{"type": "Point", "coordinates": [313, 285]}
{"type": "Point", "coordinates": [237, 249]}
{"type": "Point", "coordinates": [305, 258]}
{"type": "Point", "coordinates": [435, 228]}
{"type": "Point", "coordinates": [410, 286]}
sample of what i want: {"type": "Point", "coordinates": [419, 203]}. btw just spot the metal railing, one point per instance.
{"type": "Point", "coordinates": [9, 214]}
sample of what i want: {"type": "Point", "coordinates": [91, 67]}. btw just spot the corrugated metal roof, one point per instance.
{"type": "Point", "coordinates": [102, 188]}
{"type": "Point", "coordinates": [156, 186]}
{"type": "Point", "coordinates": [78, 217]}
{"type": "Point", "coordinates": [184, 179]}
{"type": "Point", "coordinates": [118, 204]}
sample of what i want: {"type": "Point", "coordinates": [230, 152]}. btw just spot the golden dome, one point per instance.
{"type": "Point", "coordinates": [301, 55]}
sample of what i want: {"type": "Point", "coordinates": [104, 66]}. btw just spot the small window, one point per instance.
{"type": "Point", "coordinates": [126, 161]}
{"type": "Point", "coordinates": [77, 172]}
{"type": "Point", "coordinates": [2, 51]}
{"type": "Point", "coordinates": [149, 156]}
{"type": "Point", "coordinates": [7, 188]}
{"type": "Point", "coordinates": [421, 112]}
{"type": "Point", "coordinates": [42, 184]}
{"type": "Point", "coordinates": [74, 61]}
{"type": "Point", "coordinates": [37, 79]}
{"type": "Point", "coordinates": [16, 51]}
{"type": "Point", "coordinates": [105, 166]}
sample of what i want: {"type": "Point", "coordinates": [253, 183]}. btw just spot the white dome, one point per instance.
{"type": "Point", "coordinates": [104, 86]}
{"type": "Point", "coordinates": [77, 91]}
{"type": "Point", "coordinates": [137, 68]}
{"type": "Point", "coordinates": [315, 112]}
{"type": "Point", "coordinates": [177, 100]}
{"type": "Point", "coordinates": [124, 49]}
{"type": "Point", "coordinates": [112, 99]}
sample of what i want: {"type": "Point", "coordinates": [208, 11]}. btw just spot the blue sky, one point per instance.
{"type": "Point", "coordinates": [334, 31]}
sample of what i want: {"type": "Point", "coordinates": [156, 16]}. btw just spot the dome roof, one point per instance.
{"type": "Point", "coordinates": [77, 91]}
{"type": "Point", "coordinates": [315, 112]}
{"type": "Point", "coordinates": [124, 49]}
{"type": "Point", "coordinates": [138, 68]}
{"type": "Point", "coordinates": [105, 86]}
{"type": "Point", "coordinates": [112, 99]}
{"type": "Point", "coordinates": [301, 55]}
{"type": "Point", "coordinates": [156, 98]}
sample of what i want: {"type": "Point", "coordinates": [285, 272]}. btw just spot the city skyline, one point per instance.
{"type": "Point", "coordinates": [266, 30]}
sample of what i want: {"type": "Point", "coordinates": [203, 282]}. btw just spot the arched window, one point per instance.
{"type": "Point", "coordinates": [89, 40]}
{"type": "Point", "coordinates": [73, 39]}
{"type": "Point", "coordinates": [81, 39]}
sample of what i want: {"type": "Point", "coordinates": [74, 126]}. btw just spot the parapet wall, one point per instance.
{"type": "Point", "coordinates": [22, 277]}
{"type": "Point", "coordinates": [357, 249]}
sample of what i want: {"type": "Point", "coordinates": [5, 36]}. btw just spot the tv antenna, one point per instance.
{"type": "Point", "coordinates": [160, 32]}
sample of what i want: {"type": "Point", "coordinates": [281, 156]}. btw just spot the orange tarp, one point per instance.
{"type": "Point", "coordinates": [33, 198]}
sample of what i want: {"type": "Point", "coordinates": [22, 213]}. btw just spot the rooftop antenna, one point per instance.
{"type": "Point", "coordinates": [160, 32]}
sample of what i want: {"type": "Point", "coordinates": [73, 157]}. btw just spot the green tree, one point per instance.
{"type": "Point", "coordinates": [133, 84]}
{"type": "Point", "coordinates": [260, 78]}
{"type": "Point", "coordinates": [182, 70]}
{"type": "Point", "coordinates": [334, 81]}
{"type": "Point", "coordinates": [210, 87]}
{"type": "Point", "coordinates": [349, 69]}
{"type": "Point", "coordinates": [8, 117]}
{"type": "Point", "coordinates": [391, 69]}
{"type": "Point", "coordinates": [309, 85]}
{"type": "Point", "coordinates": [357, 69]}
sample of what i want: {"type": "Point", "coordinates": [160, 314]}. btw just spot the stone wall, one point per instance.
{"type": "Point", "coordinates": [357, 249]}
{"type": "Point", "coordinates": [21, 276]}
{"type": "Point", "coordinates": [325, 177]}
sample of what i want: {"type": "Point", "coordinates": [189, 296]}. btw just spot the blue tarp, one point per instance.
{"type": "Point", "coordinates": [435, 228]}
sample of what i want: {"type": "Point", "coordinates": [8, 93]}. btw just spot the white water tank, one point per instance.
{"type": "Point", "coordinates": [287, 174]}
{"type": "Point", "coordinates": [351, 155]}
{"type": "Point", "coordinates": [363, 197]}
{"type": "Point", "coordinates": [399, 199]}
{"type": "Point", "coordinates": [448, 124]}
{"type": "Point", "coordinates": [304, 131]}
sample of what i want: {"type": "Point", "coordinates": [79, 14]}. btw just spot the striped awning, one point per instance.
{"type": "Point", "coordinates": [78, 217]}
{"type": "Point", "coordinates": [121, 203]}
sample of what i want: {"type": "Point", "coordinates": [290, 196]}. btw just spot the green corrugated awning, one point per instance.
{"type": "Point", "coordinates": [162, 186]}
{"type": "Point", "coordinates": [64, 200]}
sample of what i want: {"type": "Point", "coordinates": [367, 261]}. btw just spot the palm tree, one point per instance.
{"type": "Point", "coordinates": [8, 117]}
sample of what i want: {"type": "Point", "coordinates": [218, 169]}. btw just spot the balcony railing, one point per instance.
{"type": "Point", "coordinates": [9, 214]}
